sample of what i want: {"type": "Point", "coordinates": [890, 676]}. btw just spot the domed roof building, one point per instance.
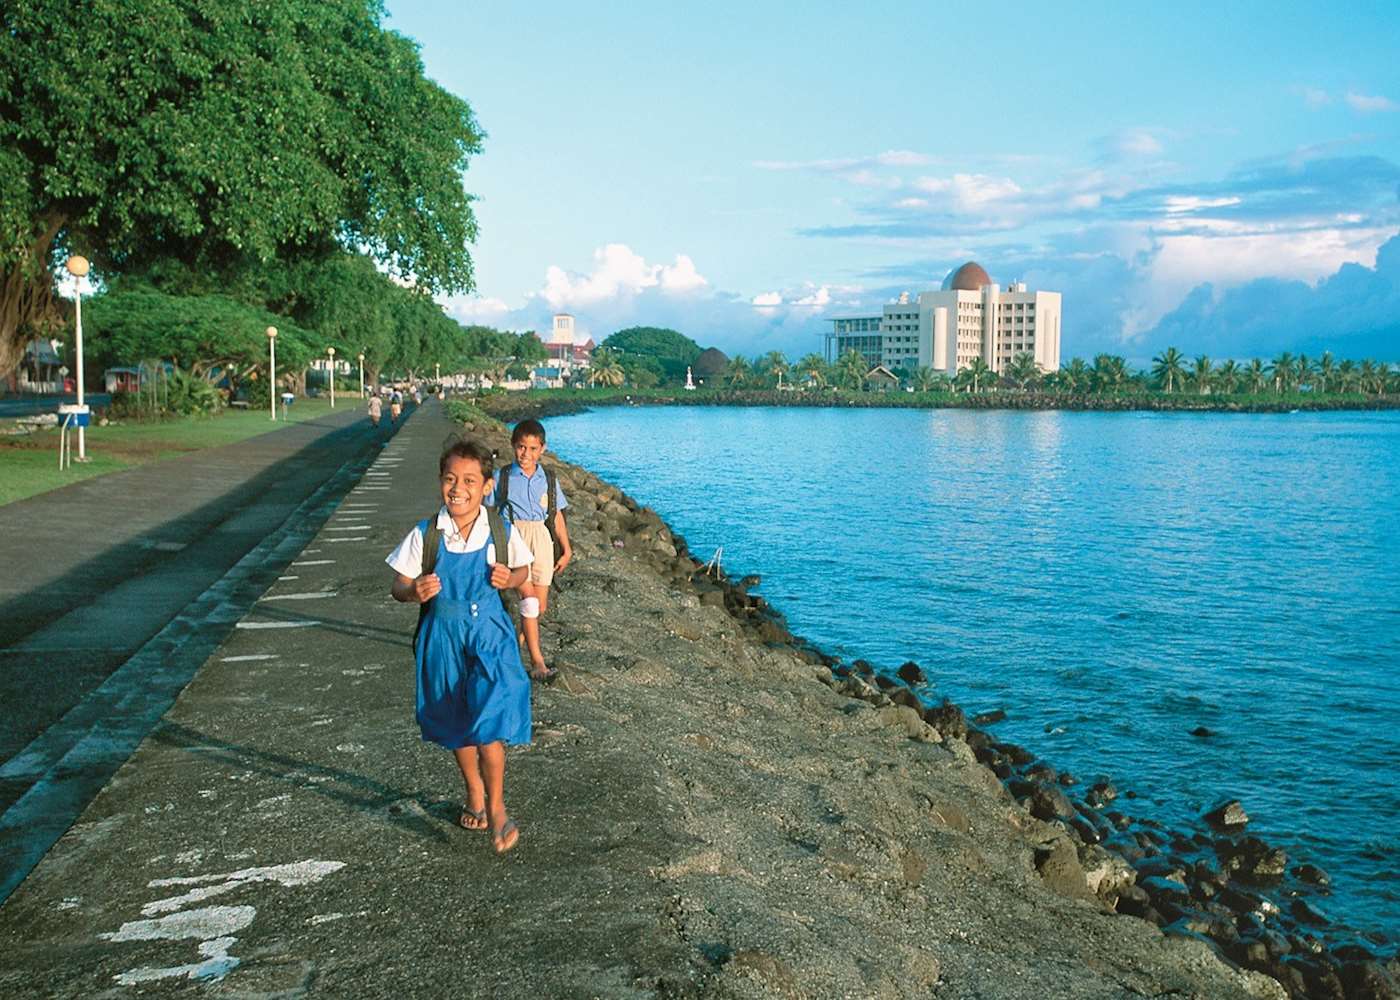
{"type": "Point", "coordinates": [970, 317]}
{"type": "Point", "coordinates": [971, 277]}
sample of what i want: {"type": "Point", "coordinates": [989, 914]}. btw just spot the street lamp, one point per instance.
{"type": "Point", "coordinates": [78, 268]}
{"type": "Point", "coordinates": [362, 374]}
{"type": "Point", "coordinates": [272, 371]}
{"type": "Point", "coordinates": [437, 372]}
{"type": "Point", "coordinates": [331, 352]}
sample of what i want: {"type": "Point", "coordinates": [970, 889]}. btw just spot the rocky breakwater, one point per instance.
{"type": "Point", "coordinates": [830, 832]}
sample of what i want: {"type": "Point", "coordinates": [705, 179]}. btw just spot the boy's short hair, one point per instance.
{"type": "Point", "coordinates": [527, 428]}
{"type": "Point", "coordinates": [467, 448]}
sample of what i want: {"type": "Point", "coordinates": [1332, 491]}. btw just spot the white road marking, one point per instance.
{"type": "Point", "coordinates": [248, 658]}
{"type": "Point", "coordinates": [313, 562]}
{"type": "Point", "coordinates": [305, 624]}
{"type": "Point", "coordinates": [302, 597]}
{"type": "Point", "coordinates": [357, 538]}
{"type": "Point", "coordinates": [352, 527]}
{"type": "Point", "coordinates": [281, 579]}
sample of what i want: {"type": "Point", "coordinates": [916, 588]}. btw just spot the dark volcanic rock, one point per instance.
{"type": "Point", "coordinates": [1101, 793]}
{"type": "Point", "coordinates": [1202, 731]}
{"type": "Point", "coordinates": [1305, 913]}
{"type": "Point", "coordinates": [910, 673]}
{"type": "Point", "coordinates": [1048, 802]}
{"type": "Point", "coordinates": [1313, 875]}
{"type": "Point", "coordinates": [1227, 815]}
{"type": "Point", "coordinates": [1018, 755]}
{"type": "Point", "coordinates": [1251, 859]}
{"type": "Point", "coordinates": [950, 722]}
{"type": "Point", "coordinates": [987, 718]}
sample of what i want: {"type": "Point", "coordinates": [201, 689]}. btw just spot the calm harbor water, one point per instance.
{"type": "Point", "coordinates": [1112, 581]}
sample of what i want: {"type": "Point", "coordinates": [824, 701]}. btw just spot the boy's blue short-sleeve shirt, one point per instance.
{"type": "Point", "coordinates": [526, 498]}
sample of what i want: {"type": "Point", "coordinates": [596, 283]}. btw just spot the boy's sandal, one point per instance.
{"type": "Point", "coordinates": [472, 819]}
{"type": "Point", "coordinates": [507, 837]}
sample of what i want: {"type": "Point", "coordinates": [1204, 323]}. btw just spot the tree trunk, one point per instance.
{"type": "Point", "coordinates": [26, 295]}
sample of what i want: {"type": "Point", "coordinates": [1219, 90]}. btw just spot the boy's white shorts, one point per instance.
{"type": "Point", "coordinates": [535, 535]}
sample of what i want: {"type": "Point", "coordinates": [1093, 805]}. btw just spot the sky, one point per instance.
{"type": "Point", "coordinates": [1223, 178]}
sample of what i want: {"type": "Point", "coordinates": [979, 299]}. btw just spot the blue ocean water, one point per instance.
{"type": "Point", "coordinates": [1110, 580]}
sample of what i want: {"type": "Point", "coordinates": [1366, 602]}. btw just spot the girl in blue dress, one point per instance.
{"type": "Point", "coordinates": [473, 694]}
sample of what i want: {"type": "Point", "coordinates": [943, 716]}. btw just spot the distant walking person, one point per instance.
{"type": "Point", "coordinates": [529, 496]}
{"type": "Point", "coordinates": [395, 406]}
{"type": "Point", "coordinates": [376, 408]}
{"type": "Point", "coordinates": [473, 696]}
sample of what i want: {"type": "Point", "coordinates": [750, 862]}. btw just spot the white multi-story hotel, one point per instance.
{"type": "Point", "coordinates": [969, 317]}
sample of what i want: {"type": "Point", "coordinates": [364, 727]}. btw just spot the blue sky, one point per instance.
{"type": "Point", "coordinates": [1221, 180]}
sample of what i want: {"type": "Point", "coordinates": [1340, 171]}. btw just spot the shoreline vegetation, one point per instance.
{"type": "Point", "coordinates": [1210, 882]}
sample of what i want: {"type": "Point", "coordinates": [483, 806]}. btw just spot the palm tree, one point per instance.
{"type": "Point", "coordinates": [738, 372]}
{"type": "Point", "coordinates": [1255, 374]}
{"type": "Point", "coordinates": [775, 363]}
{"type": "Point", "coordinates": [1282, 370]}
{"type": "Point", "coordinates": [851, 368]}
{"type": "Point", "coordinates": [1167, 369]}
{"type": "Point", "coordinates": [604, 369]}
{"type": "Point", "coordinates": [1303, 371]}
{"type": "Point", "coordinates": [1325, 371]}
{"type": "Point", "coordinates": [1201, 375]}
{"type": "Point", "coordinates": [1074, 377]}
{"type": "Point", "coordinates": [1024, 371]}
{"type": "Point", "coordinates": [811, 367]}
{"type": "Point", "coordinates": [1346, 375]}
{"type": "Point", "coordinates": [1227, 377]}
{"type": "Point", "coordinates": [1109, 373]}
{"type": "Point", "coordinates": [925, 378]}
{"type": "Point", "coordinates": [1367, 377]}
{"type": "Point", "coordinates": [975, 375]}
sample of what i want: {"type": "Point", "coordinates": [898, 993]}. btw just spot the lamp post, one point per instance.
{"type": "Point", "coordinates": [331, 351]}
{"type": "Point", "coordinates": [437, 372]}
{"type": "Point", "coordinates": [272, 371]}
{"type": "Point", "coordinates": [78, 268]}
{"type": "Point", "coordinates": [362, 374]}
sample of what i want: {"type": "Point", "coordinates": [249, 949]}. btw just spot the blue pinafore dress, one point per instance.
{"type": "Point", "coordinates": [472, 688]}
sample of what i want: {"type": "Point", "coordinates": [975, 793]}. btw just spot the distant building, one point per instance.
{"type": "Point", "coordinates": [969, 317]}
{"type": "Point", "coordinates": [565, 353]}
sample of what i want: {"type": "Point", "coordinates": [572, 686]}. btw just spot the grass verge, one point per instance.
{"type": "Point", "coordinates": [29, 463]}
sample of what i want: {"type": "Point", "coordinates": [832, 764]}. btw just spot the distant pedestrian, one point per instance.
{"type": "Point", "coordinates": [395, 406]}
{"type": "Point", "coordinates": [529, 496]}
{"type": "Point", "coordinates": [473, 697]}
{"type": "Point", "coordinates": [376, 408]}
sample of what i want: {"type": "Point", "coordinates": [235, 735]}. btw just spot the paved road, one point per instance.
{"type": "Point", "coordinates": [117, 588]}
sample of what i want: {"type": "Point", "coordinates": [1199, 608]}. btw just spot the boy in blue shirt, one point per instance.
{"type": "Point", "coordinates": [529, 496]}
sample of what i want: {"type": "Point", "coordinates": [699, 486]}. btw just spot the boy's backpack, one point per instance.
{"type": "Point", "coordinates": [432, 535]}
{"type": "Point", "coordinates": [551, 489]}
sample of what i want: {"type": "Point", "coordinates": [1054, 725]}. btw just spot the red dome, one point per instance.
{"type": "Point", "coordinates": [968, 278]}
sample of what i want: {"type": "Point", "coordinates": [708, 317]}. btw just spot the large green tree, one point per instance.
{"type": "Point", "coordinates": [671, 351]}
{"type": "Point", "coordinates": [222, 134]}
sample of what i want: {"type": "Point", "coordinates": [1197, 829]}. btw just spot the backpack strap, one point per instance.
{"type": "Point", "coordinates": [503, 490]}
{"type": "Point", "coordinates": [432, 535]}
{"type": "Point", "coordinates": [551, 486]}
{"type": "Point", "coordinates": [499, 537]}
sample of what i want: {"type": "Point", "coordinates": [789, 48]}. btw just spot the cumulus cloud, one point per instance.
{"type": "Point", "coordinates": [618, 271]}
{"type": "Point", "coordinates": [1354, 313]}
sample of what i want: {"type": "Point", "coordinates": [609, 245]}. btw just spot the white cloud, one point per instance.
{"type": "Point", "coordinates": [1176, 204]}
{"type": "Point", "coordinates": [475, 309]}
{"type": "Point", "coordinates": [618, 272]}
{"type": "Point", "coordinates": [970, 193]}
{"type": "Point", "coordinates": [1368, 103]}
{"type": "Point", "coordinates": [767, 300]}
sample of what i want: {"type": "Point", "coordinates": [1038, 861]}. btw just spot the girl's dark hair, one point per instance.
{"type": "Point", "coordinates": [467, 448]}
{"type": "Point", "coordinates": [527, 428]}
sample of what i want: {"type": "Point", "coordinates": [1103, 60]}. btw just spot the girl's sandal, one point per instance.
{"type": "Point", "coordinates": [506, 838]}
{"type": "Point", "coordinates": [472, 819]}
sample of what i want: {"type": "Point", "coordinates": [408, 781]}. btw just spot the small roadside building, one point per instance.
{"type": "Point", "coordinates": [881, 379]}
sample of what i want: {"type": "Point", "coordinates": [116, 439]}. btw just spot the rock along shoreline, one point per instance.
{"type": "Point", "coordinates": [1215, 884]}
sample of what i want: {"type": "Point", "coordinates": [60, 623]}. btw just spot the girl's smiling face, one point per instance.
{"type": "Point", "coordinates": [463, 487]}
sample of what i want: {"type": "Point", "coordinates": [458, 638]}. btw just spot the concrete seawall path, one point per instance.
{"type": "Point", "coordinates": [700, 816]}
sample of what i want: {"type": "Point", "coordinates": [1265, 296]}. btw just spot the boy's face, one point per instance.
{"type": "Point", "coordinates": [463, 486]}
{"type": "Point", "coordinates": [528, 451]}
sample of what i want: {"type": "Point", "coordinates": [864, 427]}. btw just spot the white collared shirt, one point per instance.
{"type": "Point", "coordinates": [407, 559]}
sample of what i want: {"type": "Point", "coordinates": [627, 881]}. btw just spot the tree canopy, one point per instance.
{"type": "Point", "coordinates": [222, 135]}
{"type": "Point", "coordinates": [650, 353]}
